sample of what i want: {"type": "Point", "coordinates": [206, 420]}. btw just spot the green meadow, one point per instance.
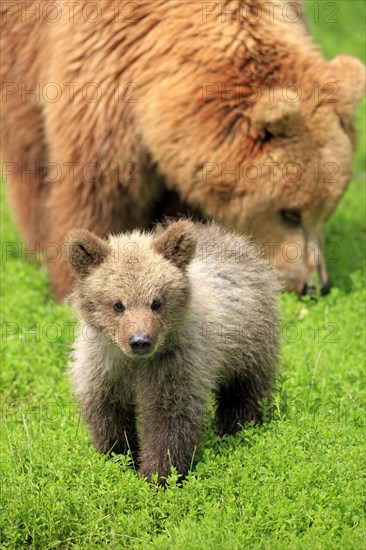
{"type": "Point", "coordinates": [297, 482]}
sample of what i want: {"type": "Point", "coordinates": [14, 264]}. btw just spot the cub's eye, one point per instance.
{"type": "Point", "coordinates": [291, 217]}
{"type": "Point", "coordinates": [156, 305]}
{"type": "Point", "coordinates": [118, 307]}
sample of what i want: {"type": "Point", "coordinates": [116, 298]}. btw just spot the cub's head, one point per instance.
{"type": "Point", "coordinates": [133, 288]}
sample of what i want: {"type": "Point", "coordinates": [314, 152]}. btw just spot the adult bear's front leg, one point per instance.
{"type": "Point", "coordinates": [88, 195]}
{"type": "Point", "coordinates": [96, 182]}
{"type": "Point", "coordinates": [74, 205]}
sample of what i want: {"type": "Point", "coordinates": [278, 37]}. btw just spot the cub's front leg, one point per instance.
{"type": "Point", "coordinates": [170, 418]}
{"type": "Point", "coordinates": [113, 427]}
{"type": "Point", "coordinates": [107, 407]}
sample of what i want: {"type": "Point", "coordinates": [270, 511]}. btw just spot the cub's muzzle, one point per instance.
{"type": "Point", "coordinates": [140, 343]}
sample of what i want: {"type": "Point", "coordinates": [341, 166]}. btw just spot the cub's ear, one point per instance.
{"type": "Point", "coordinates": [177, 243]}
{"type": "Point", "coordinates": [277, 115]}
{"type": "Point", "coordinates": [83, 250]}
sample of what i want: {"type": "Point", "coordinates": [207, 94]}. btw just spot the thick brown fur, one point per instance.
{"type": "Point", "coordinates": [216, 331]}
{"type": "Point", "coordinates": [193, 105]}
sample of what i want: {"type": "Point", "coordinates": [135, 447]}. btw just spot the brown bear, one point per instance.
{"type": "Point", "coordinates": [167, 318]}
{"type": "Point", "coordinates": [112, 111]}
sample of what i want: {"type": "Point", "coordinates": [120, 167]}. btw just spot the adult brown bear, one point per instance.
{"type": "Point", "coordinates": [108, 107]}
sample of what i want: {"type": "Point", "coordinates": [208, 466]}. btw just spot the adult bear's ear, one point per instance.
{"type": "Point", "coordinates": [83, 250]}
{"type": "Point", "coordinates": [276, 114]}
{"type": "Point", "coordinates": [350, 73]}
{"type": "Point", "coordinates": [177, 243]}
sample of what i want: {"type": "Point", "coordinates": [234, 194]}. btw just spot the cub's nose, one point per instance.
{"type": "Point", "coordinates": [140, 343]}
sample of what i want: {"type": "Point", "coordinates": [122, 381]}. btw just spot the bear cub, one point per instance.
{"type": "Point", "coordinates": [166, 319]}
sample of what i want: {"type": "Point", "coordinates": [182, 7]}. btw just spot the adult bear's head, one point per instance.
{"type": "Point", "coordinates": [253, 126]}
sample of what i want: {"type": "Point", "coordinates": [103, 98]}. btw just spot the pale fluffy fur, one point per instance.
{"type": "Point", "coordinates": [217, 332]}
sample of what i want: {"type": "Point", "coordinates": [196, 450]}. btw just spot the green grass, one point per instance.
{"type": "Point", "coordinates": [297, 482]}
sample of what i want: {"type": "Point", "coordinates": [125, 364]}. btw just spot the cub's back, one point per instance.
{"type": "Point", "coordinates": [229, 262]}
{"type": "Point", "coordinates": [230, 278]}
